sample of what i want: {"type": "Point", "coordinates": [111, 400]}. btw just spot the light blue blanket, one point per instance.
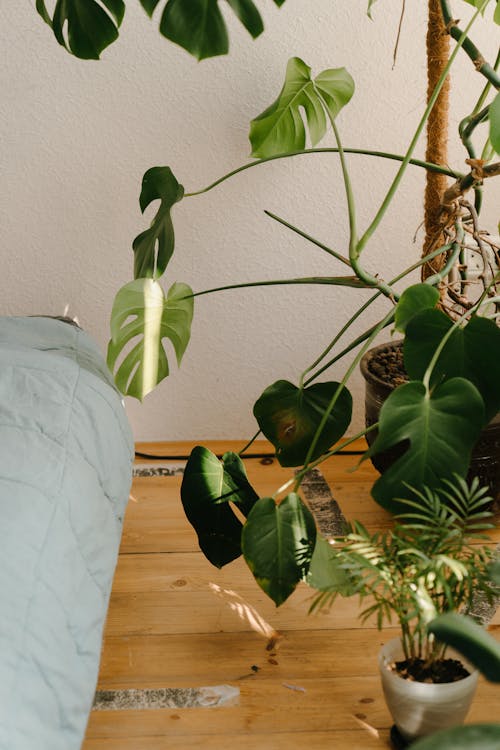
{"type": "Point", "coordinates": [66, 455]}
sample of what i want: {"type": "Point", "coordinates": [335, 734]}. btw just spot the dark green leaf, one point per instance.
{"type": "Point", "coordinates": [277, 543]}
{"type": "Point", "coordinates": [84, 27]}
{"type": "Point", "coordinates": [441, 427]}
{"type": "Point", "coordinates": [153, 318]}
{"type": "Point", "coordinates": [470, 737]}
{"type": "Point", "coordinates": [236, 476]}
{"type": "Point", "coordinates": [248, 15]}
{"type": "Point", "coordinates": [494, 116]}
{"type": "Point", "coordinates": [280, 129]}
{"type": "Point", "coordinates": [413, 300]}
{"type": "Point", "coordinates": [153, 248]}
{"type": "Point", "coordinates": [289, 417]}
{"type": "Point", "coordinates": [149, 6]}
{"type": "Point", "coordinates": [217, 527]}
{"type": "Point", "coordinates": [197, 26]}
{"type": "Point", "coordinates": [472, 352]}
{"type": "Point", "coordinates": [470, 640]}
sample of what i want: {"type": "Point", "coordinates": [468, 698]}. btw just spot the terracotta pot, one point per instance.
{"type": "Point", "coordinates": [420, 708]}
{"type": "Point", "coordinates": [485, 461]}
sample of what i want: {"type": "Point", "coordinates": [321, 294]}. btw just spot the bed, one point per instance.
{"type": "Point", "coordinates": [66, 454]}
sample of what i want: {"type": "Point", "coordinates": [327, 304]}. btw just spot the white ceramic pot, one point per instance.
{"type": "Point", "coordinates": [420, 708]}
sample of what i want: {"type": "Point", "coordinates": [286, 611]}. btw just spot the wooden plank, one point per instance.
{"type": "Point", "coordinates": [357, 739]}
{"type": "Point", "coordinates": [187, 660]}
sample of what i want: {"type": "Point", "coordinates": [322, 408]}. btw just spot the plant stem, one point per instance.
{"type": "Point", "coordinates": [364, 152]}
{"type": "Point", "coordinates": [469, 47]}
{"type": "Point", "coordinates": [431, 280]}
{"type": "Point", "coordinates": [402, 169]}
{"type": "Point", "coordinates": [351, 281]}
{"type": "Point", "coordinates": [308, 237]}
{"type": "Point", "coordinates": [385, 321]}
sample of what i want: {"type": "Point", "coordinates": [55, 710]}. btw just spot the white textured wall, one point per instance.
{"type": "Point", "coordinates": [77, 136]}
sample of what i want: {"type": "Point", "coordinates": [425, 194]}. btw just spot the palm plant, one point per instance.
{"type": "Point", "coordinates": [433, 561]}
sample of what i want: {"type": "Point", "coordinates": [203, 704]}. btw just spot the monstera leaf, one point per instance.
{"type": "Point", "coordinates": [199, 27]}
{"type": "Point", "coordinates": [277, 543]}
{"type": "Point", "coordinates": [153, 318]}
{"type": "Point", "coordinates": [471, 640]}
{"type": "Point", "coordinates": [289, 417]}
{"type": "Point", "coordinates": [441, 426]}
{"type": "Point", "coordinates": [154, 247]}
{"type": "Point", "coordinates": [472, 352]}
{"type": "Point", "coordinates": [280, 129]}
{"type": "Point", "coordinates": [91, 25]}
{"type": "Point", "coordinates": [495, 119]}
{"type": "Point", "coordinates": [208, 486]}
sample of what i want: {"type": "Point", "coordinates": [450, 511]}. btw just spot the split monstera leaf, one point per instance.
{"type": "Point", "coordinates": [87, 27]}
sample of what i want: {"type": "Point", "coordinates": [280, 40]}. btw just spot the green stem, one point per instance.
{"type": "Point", "coordinates": [431, 280]}
{"type": "Point", "coordinates": [308, 237]}
{"type": "Point", "coordinates": [469, 47]}
{"type": "Point", "coordinates": [385, 321]}
{"type": "Point", "coordinates": [250, 442]}
{"type": "Point", "coordinates": [364, 152]}
{"type": "Point", "coordinates": [351, 206]}
{"type": "Point", "coordinates": [340, 447]}
{"type": "Point", "coordinates": [402, 169]}
{"type": "Point", "coordinates": [351, 281]}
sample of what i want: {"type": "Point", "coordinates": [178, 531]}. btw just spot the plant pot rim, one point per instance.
{"type": "Point", "coordinates": [371, 354]}
{"type": "Point", "coordinates": [425, 691]}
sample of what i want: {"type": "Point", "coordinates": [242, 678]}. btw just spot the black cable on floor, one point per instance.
{"type": "Point", "coordinates": [271, 456]}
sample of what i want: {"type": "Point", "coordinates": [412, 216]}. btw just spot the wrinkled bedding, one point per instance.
{"type": "Point", "coordinates": [66, 455]}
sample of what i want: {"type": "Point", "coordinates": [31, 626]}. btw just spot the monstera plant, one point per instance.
{"type": "Point", "coordinates": [453, 341]}
{"type": "Point", "coordinates": [87, 27]}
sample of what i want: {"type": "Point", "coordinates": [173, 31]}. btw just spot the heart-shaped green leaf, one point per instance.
{"type": "Point", "coordinates": [208, 486]}
{"type": "Point", "coordinates": [280, 129]}
{"type": "Point", "coordinates": [84, 27]}
{"type": "Point", "coordinates": [441, 426]}
{"type": "Point", "coordinates": [153, 248]}
{"type": "Point", "coordinates": [413, 300]}
{"type": "Point", "coordinates": [153, 319]}
{"type": "Point", "coordinates": [199, 27]}
{"type": "Point", "coordinates": [471, 640]}
{"type": "Point", "coordinates": [472, 352]}
{"type": "Point", "coordinates": [494, 117]}
{"type": "Point", "coordinates": [277, 543]}
{"type": "Point", "coordinates": [289, 417]}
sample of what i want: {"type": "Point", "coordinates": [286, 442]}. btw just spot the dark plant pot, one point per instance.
{"type": "Point", "coordinates": [485, 462]}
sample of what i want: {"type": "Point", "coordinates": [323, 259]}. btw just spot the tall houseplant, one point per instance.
{"type": "Point", "coordinates": [454, 387]}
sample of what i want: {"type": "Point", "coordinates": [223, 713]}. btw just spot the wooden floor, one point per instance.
{"type": "Point", "coordinates": [176, 622]}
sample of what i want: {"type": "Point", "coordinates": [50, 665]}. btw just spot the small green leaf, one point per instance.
{"type": "Point", "coordinates": [277, 543]}
{"type": "Point", "coordinates": [494, 116]}
{"type": "Point", "coordinates": [154, 247]}
{"type": "Point", "coordinates": [289, 417]}
{"type": "Point", "coordinates": [208, 486]}
{"type": "Point", "coordinates": [371, 3]}
{"type": "Point", "coordinates": [471, 640]}
{"type": "Point", "coordinates": [441, 428]}
{"type": "Point", "coordinates": [84, 27]}
{"type": "Point", "coordinates": [495, 572]}
{"type": "Point", "coordinates": [141, 311]}
{"type": "Point", "coordinates": [413, 300]}
{"type": "Point", "coordinates": [470, 737]}
{"type": "Point", "coordinates": [496, 13]}
{"type": "Point", "coordinates": [325, 570]}
{"type": "Point", "coordinates": [280, 129]}
{"type": "Point", "coordinates": [472, 352]}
